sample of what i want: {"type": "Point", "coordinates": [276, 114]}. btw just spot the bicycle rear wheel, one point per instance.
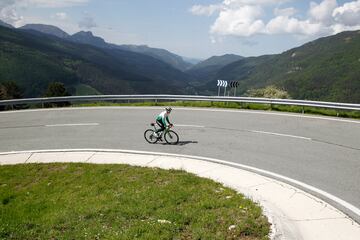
{"type": "Point", "coordinates": [171, 137]}
{"type": "Point", "coordinates": [149, 136]}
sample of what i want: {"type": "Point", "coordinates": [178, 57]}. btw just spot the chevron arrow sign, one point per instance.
{"type": "Point", "coordinates": [222, 83]}
{"type": "Point", "coordinates": [234, 84]}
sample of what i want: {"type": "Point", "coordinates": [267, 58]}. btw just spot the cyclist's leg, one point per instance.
{"type": "Point", "coordinates": [161, 125]}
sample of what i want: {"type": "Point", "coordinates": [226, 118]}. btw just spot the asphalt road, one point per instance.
{"type": "Point", "coordinates": [321, 152]}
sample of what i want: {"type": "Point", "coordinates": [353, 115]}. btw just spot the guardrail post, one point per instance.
{"type": "Point", "coordinates": [303, 109]}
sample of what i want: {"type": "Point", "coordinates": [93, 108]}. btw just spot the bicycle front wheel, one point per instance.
{"type": "Point", "coordinates": [171, 137]}
{"type": "Point", "coordinates": [149, 136]}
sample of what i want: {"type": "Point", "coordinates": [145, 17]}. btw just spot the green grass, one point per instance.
{"type": "Point", "coordinates": [84, 89]}
{"type": "Point", "coordinates": [250, 106]}
{"type": "Point", "coordinates": [83, 201]}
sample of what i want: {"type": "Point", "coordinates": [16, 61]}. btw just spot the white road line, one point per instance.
{"type": "Point", "coordinates": [271, 113]}
{"type": "Point", "coordinates": [184, 125]}
{"type": "Point", "coordinates": [72, 125]}
{"type": "Point", "coordinates": [281, 135]}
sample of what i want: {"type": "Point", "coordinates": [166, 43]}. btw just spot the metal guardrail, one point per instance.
{"type": "Point", "coordinates": [99, 98]}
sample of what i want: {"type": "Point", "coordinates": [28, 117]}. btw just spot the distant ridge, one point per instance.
{"type": "Point", "coordinates": [47, 29]}
{"type": "Point", "coordinates": [88, 38]}
{"type": "Point", "coordinates": [218, 61]}
{"type": "Point", "coordinates": [208, 68]}
{"type": "Point", "coordinates": [161, 54]}
{"type": "Point", "coordinates": [4, 24]}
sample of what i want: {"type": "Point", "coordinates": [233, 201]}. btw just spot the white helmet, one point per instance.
{"type": "Point", "coordinates": [168, 109]}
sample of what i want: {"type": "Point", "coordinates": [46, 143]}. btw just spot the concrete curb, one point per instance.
{"type": "Point", "coordinates": [294, 214]}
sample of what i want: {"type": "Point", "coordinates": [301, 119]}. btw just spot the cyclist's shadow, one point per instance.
{"type": "Point", "coordinates": [181, 143]}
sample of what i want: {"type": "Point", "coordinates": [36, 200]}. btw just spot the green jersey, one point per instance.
{"type": "Point", "coordinates": [164, 118]}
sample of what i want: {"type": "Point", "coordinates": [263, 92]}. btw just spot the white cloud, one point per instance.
{"type": "Point", "coordinates": [252, 2]}
{"type": "Point", "coordinates": [9, 13]}
{"type": "Point", "coordinates": [87, 22]}
{"type": "Point", "coordinates": [285, 11]}
{"type": "Point", "coordinates": [348, 14]}
{"type": "Point", "coordinates": [247, 17]}
{"type": "Point", "coordinates": [337, 28]}
{"type": "Point", "coordinates": [285, 24]}
{"type": "Point", "coordinates": [322, 12]}
{"type": "Point", "coordinates": [42, 3]}
{"type": "Point", "coordinates": [241, 22]}
{"type": "Point", "coordinates": [205, 10]}
{"type": "Point", "coordinates": [61, 16]}
{"type": "Point", "coordinates": [52, 3]}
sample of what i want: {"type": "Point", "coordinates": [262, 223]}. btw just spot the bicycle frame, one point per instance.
{"type": "Point", "coordinates": [170, 136]}
{"type": "Point", "coordinates": [162, 132]}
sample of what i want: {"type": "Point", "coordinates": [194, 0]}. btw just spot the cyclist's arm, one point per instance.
{"type": "Point", "coordinates": [167, 119]}
{"type": "Point", "coordinates": [164, 122]}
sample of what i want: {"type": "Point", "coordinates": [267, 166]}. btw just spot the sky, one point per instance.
{"type": "Point", "coordinates": [194, 28]}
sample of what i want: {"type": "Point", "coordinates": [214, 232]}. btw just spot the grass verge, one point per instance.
{"type": "Point", "coordinates": [250, 106]}
{"type": "Point", "coordinates": [83, 201]}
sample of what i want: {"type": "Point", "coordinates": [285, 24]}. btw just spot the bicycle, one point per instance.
{"type": "Point", "coordinates": [170, 136]}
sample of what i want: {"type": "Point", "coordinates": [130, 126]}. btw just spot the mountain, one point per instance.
{"type": "Point", "coordinates": [208, 68]}
{"type": "Point", "coordinates": [327, 69]}
{"type": "Point", "coordinates": [35, 60]}
{"type": "Point", "coordinates": [193, 61]}
{"type": "Point", "coordinates": [88, 38]}
{"type": "Point", "coordinates": [218, 61]}
{"type": "Point", "coordinates": [161, 54]}
{"type": "Point", "coordinates": [4, 24]}
{"type": "Point", "coordinates": [47, 29]}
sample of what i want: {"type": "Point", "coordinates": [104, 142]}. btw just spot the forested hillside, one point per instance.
{"type": "Point", "coordinates": [34, 60]}
{"type": "Point", "coordinates": [208, 68]}
{"type": "Point", "coordinates": [327, 69]}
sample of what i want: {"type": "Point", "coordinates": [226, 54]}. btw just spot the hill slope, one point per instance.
{"type": "Point", "coordinates": [327, 69]}
{"type": "Point", "coordinates": [47, 29]}
{"type": "Point", "coordinates": [4, 24]}
{"type": "Point", "coordinates": [35, 60]}
{"type": "Point", "coordinates": [209, 67]}
{"type": "Point", "coordinates": [158, 53]}
{"type": "Point", "coordinates": [88, 38]}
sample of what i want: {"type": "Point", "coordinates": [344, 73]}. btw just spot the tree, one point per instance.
{"type": "Point", "coordinates": [56, 89]}
{"type": "Point", "coordinates": [10, 90]}
{"type": "Point", "coordinates": [2, 92]}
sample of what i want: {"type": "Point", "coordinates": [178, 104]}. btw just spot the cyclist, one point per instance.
{"type": "Point", "coordinates": [162, 119]}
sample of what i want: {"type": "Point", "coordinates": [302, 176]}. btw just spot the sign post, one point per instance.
{"type": "Point", "coordinates": [219, 85]}
{"type": "Point", "coordinates": [222, 83]}
{"type": "Point", "coordinates": [234, 85]}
